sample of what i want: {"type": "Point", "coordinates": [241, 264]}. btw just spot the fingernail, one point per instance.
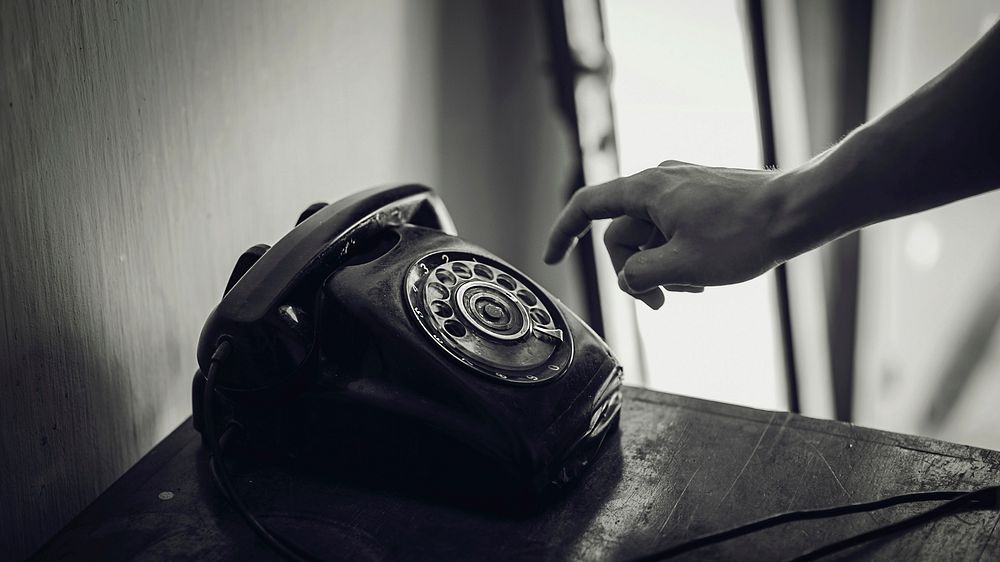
{"type": "Point", "coordinates": [571, 247]}
{"type": "Point", "coordinates": [553, 255]}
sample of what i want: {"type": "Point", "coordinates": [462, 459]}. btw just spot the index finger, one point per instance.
{"type": "Point", "coordinates": [603, 201]}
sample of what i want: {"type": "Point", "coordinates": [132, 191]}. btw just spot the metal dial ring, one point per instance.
{"type": "Point", "coordinates": [482, 326]}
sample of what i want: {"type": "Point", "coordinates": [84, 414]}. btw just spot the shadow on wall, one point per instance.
{"type": "Point", "coordinates": [144, 147]}
{"type": "Point", "coordinates": [972, 351]}
{"type": "Point", "coordinates": [64, 434]}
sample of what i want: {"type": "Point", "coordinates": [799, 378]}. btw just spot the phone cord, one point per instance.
{"type": "Point", "coordinates": [982, 498]}
{"type": "Point", "coordinates": [220, 473]}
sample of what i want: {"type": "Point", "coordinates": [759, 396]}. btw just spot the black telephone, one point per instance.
{"type": "Point", "coordinates": [371, 320]}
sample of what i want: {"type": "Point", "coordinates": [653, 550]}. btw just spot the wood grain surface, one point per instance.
{"type": "Point", "coordinates": [144, 145]}
{"type": "Point", "coordinates": [680, 468]}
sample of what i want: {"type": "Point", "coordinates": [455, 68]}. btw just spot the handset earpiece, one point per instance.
{"type": "Point", "coordinates": [310, 211]}
{"type": "Point", "coordinates": [244, 263]}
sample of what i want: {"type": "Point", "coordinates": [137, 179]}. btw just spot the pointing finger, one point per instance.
{"type": "Point", "coordinates": [590, 203]}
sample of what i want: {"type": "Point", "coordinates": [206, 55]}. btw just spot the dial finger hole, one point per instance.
{"type": "Point", "coordinates": [526, 297]}
{"type": "Point", "coordinates": [483, 271]}
{"type": "Point", "coordinates": [506, 281]}
{"type": "Point", "coordinates": [441, 308]}
{"type": "Point", "coordinates": [455, 328]}
{"type": "Point", "coordinates": [437, 291]}
{"type": "Point", "coordinates": [462, 270]}
{"type": "Point", "coordinates": [446, 277]}
{"type": "Point", "coordinates": [540, 316]}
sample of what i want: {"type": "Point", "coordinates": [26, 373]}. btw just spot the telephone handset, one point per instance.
{"type": "Point", "coordinates": [372, 320]}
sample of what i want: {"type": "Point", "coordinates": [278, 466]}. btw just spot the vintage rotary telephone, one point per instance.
{"type": "Point", "coordinates": [372, 319]}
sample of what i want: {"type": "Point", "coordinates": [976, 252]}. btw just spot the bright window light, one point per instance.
{"type": "Point", "coordinates": [683, 90]}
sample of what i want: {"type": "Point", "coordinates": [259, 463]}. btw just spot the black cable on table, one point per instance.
{"type": "Point", "coordinates": [955, 500]}
{"type": "Point", "coordinates": [221, 475]}
{"type": "Point", "coordinates": [983, 498]}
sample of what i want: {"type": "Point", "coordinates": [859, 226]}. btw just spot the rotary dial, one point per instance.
{"type": "Point", "coordinates": [488, 316]}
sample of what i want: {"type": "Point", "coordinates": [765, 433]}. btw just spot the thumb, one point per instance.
{"type": "Point", "coordinates": [651, 268]}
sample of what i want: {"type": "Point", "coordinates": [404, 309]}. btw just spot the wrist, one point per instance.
{"type": "Point", "coordinates": [801, 211]}
{"type": "Point", "coordinates": [828, 197]}
{"type": "Point", "coordinates": [786, 222]}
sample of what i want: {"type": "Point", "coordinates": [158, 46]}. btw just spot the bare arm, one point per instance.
{"type": "Point", "coordinates": [683, 226]}
{"type": "Point", "coordinates": [939, 145]}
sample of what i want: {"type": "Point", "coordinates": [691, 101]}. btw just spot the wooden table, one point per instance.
{"type": "Point", "coordinates": [680, 468]}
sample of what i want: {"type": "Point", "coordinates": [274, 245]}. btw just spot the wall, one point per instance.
{"type": "Point", "coordinates": [144, 146]}
{"type": "Point", "coordinates": [928, 340]}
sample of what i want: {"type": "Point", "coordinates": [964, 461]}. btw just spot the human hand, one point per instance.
{"type": "Point", "coordinates": [679, 226]}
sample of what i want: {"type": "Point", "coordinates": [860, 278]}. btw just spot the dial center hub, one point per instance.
{"type": "Point", "coordinates": [492, 311]}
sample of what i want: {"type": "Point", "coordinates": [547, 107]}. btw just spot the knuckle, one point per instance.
{"type": "Point", "coordinates": [575, 207]}
{"type": "Point", "coordinates": [581, 197]}
{"type": "Point", "coordinates": [650, 175]}
{"type": "Point", "coordinates": [647, 181]}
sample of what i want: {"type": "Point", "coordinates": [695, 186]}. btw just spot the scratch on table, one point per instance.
{"type": "Point", "coordinates": [685, 436]}
{"type": "Point", "coordinates": [835, 477]}
{"type": "Point", "coordinates": [676, 503]}
{"type": "Point", "coordinates": [798, 489]}
{"type": "Point", "coordinates": [749, 458]}
{"type": "Point", "coordinates": [989, 540]}
{"type": "Point", "coordinates": [828, 467]}
{"type": "Point", "coordinates": [958, 516]}
{"type": "Point", "coordinates": [781, 431]}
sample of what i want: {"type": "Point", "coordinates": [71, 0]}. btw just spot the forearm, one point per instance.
{"type": "Point", "coordinates": [939, 145]}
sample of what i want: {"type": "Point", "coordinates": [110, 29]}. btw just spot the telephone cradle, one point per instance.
{"type": "Point", "coordinates": [372, 335]}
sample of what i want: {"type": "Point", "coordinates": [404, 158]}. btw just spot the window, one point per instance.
{"type": "Point", "coordinates": [682, 90]}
